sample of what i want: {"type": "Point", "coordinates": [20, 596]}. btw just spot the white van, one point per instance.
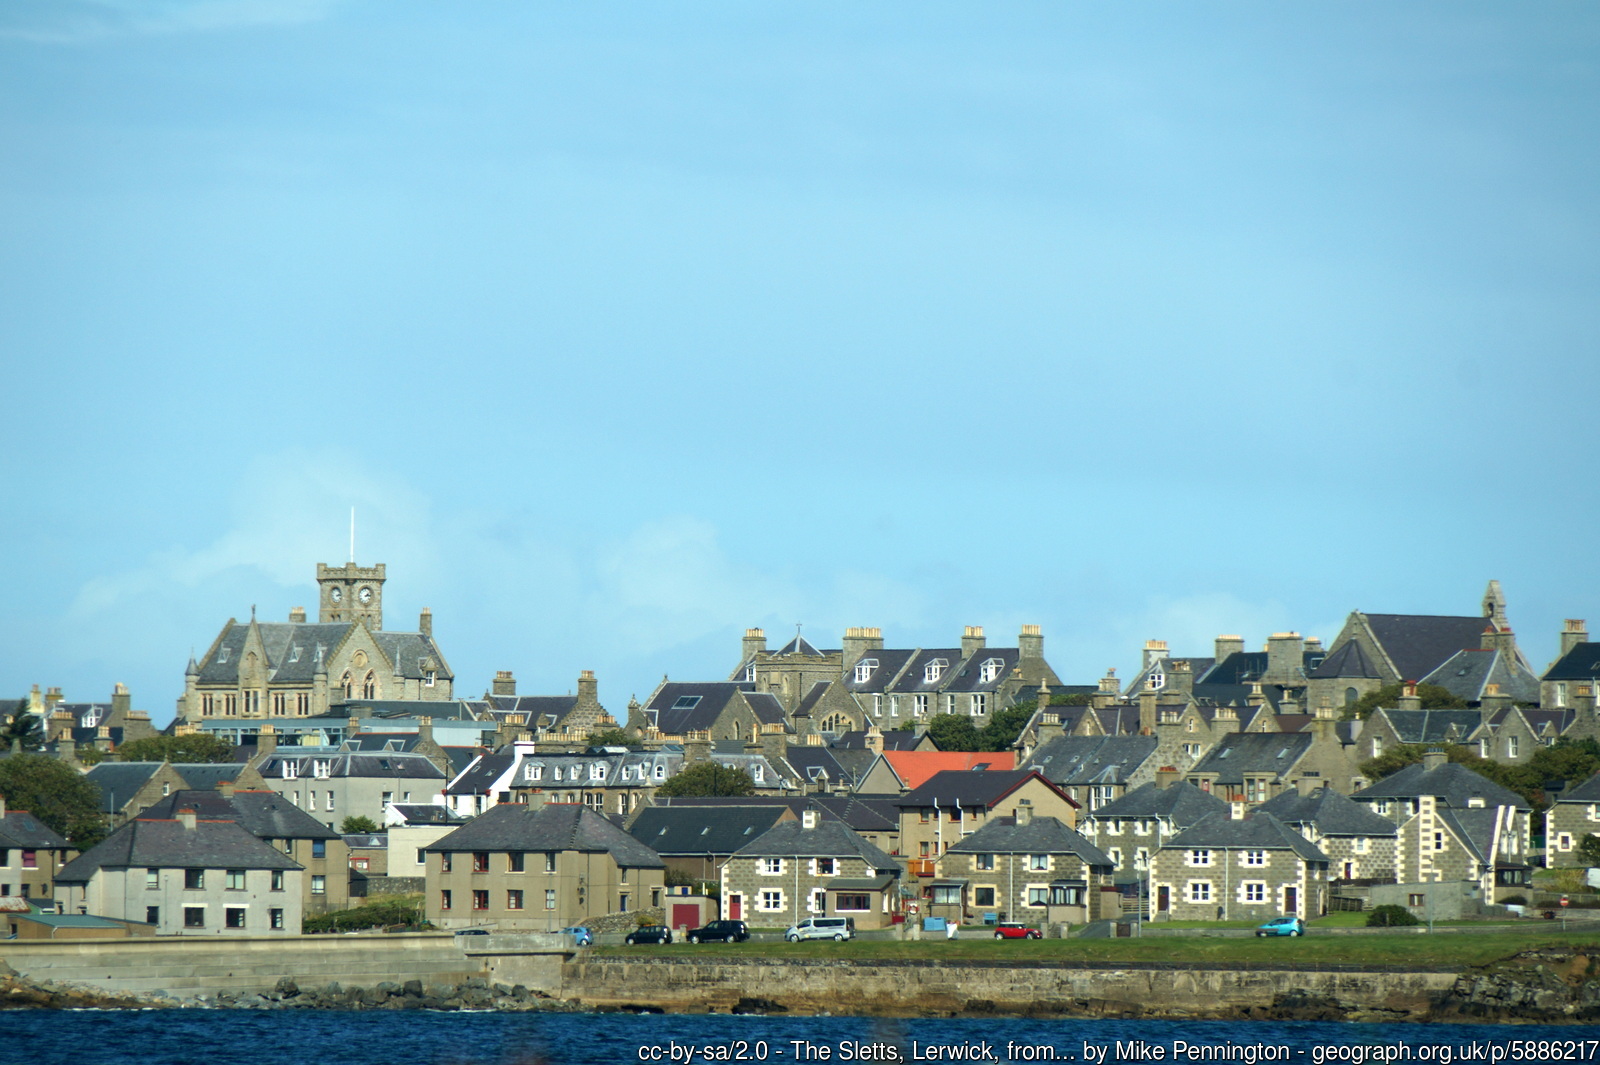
{"type": "Point", "coordinates": [822, 928]}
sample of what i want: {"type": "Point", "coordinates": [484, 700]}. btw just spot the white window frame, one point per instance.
{"type": "Point", "coordinates": [990, 670]}
{"type": "Point", "coordinates": [1198, 858]}
{"type": "Point", "coordinates": [1253, 891]}
{"type": "Point", "coordinates": [1253, 858]}
{"type": "Point", "coordinates": [1199, 891]}
{"type": "Point", "coordinates": [770, 900]}
{"type": "Point", "coordinates": [864, 669]}
{"type": "Point", "coordinates": [771, 867]}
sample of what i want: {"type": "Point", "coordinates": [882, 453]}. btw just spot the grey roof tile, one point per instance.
{"type": "Point", "coordinates": [168, 844]}
{"type": "Point", "coordinates": [1041, 835]}
{"type": "Point", "coordinates": [556, 827]}
{"type": "Point", "coordinates": [1255, 831]}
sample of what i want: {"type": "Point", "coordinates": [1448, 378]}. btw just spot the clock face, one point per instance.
{"type": "Point", "coordinates": [336, 594]}
{"type": "Point", "coordinates": [365, 595]}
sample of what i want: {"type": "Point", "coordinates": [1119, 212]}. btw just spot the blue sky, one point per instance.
{"type": "Point", "coordinates": [627, 326]}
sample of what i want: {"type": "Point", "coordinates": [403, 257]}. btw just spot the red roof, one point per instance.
{"type": "Point", "coordinates": [915, 767]}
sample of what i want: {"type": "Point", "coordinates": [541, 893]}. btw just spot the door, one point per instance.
{"type": "Point", "coordinates": [1291, 900]}
{"type": "Point", "coordinates": [1163, 898]}
{"type": "Point", "coordinates": [735, 907]}
{"type": "Point", "coordinates": [685, 915]}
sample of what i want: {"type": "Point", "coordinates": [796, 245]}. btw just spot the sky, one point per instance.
{"type": "Point", "coordinates": [625, 327]}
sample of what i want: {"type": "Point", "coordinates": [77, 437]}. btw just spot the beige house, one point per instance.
{"type": "Point", "coordinates": [953, 805]}
{"type": "Point", "coordinates": [30, 855]}
{"type": "Point", "coordinates": [522, 868]}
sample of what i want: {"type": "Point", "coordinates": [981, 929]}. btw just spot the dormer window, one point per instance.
{"type": "Point", "coordinates": [555, 774]}
{"type": "Point", "coordinates": [291, 770]}
{"type": "Point", "coordinates": [758, 773]}
{"type": "Point", "coordinates": [222, 654]}
{"type": "Point", "coordinates": [294, 653]}
{"type": "Point", "coordinates": [989, 670]}
{"type": "Point", "coordinates": [934, 670]}
{"type": "Point", "coordinates": [320, 768]}
{"type": "Point", "coordinates": [597, 772]}
{"type": "Point", "coordinates": [661, 771]}
{"type": "Point", "coordinates": [532, 772]}
{"type": "Point", "coordinates": [864, 669]}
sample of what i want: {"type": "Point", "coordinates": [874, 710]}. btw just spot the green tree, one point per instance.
{"type": "Point", "coordinates": [955, 732]}
{"type": "Point", "coordinates": [1433, 698]}
{"type": "Point", "coordinates": [21, 729]}
{"type": "Point", "coordinates": [60, 796]}
{"type": "Point", "coordinates": [1589, 850]}
{"type": "Point", "coordinates": [707, 778]}
{"type": "Point", "coordinates": [194, 747]}
{"type": "Point", "coordinates": [91, 755]}
{"type": "Point", "coordinates": [609, 737]}
{"type": "Point", "coordinates": [358, 823]}
{"type": "Point", "coordinates": [1390, 916]}
{"type": "Point", "coordinates": [1004, 727]}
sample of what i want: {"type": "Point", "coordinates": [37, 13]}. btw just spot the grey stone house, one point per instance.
{"type": "Point", "coordinates": [1360, 844]}
{"type": "Point", "coordinates": [1096, 770]}
{"type": "Point", "coordinates": [695, 840]}
{"type": "Point", "coordinates": [1574, 815]}
{"type": "Point", "coordinates": [1239, 867]}
{"type": "Point", "coordinates": [1131, 829]}
{"type": "Point", "coordinates": [1252, 767]}
{"type": "Point", "coordinates": [813, 867]}
{"type": "Point", "coordinates": [1024, 868]}
{"type": "Point", "coordinates": [332, 784]}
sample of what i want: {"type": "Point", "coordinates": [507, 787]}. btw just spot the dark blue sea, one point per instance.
{"type": "Point", "coordinates": [239, 1037]}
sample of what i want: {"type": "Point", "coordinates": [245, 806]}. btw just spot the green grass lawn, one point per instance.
{"type": "Point", "coordinates": [1403, 950]}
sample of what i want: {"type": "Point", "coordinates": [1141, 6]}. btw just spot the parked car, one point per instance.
{"type": "Point", "coordinates": [1283, 926]}
{"type": "Point", "coordinates": [582, 936]}
{"type": "Point", "coordinates": [649, 933]}
{"type": "Point", "coordinates": [839, 928]}
{"type": "Point", "coordinates": [472, 931]}
{"type": "Point", "coordinates": [1015, 930]}
{"type": "Point", "coordinates": [720, 932]}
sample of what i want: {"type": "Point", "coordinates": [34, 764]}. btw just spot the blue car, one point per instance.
{"type": "Point", "coordinates": [580, 935]}
{"type": "Point", "coordinates": [1283, 926]}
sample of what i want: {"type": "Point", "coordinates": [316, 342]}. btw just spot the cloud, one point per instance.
{"type": "Point", "coordinates": [77, 21]}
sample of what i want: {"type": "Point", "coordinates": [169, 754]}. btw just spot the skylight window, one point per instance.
{"type": "Point", "coordinates": [686, 702]}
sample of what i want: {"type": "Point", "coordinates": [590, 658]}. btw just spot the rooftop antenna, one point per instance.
{"type": "Point", "coordinates": [352, 535]}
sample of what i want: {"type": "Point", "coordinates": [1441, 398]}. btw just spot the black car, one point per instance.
{"type": "Point", "coordinates": [649, 933]}
{"type": "Point", "coordinates": [720, 932]}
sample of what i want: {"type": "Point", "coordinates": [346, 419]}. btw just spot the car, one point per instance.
{"type": "Point", "coordinates": [1283, 926]}
{"type": "Point", "coordinates": [472, 931]}
{"type": "Point", "coordinates": [720, 932]}
{"type": "Point", "coordinates": [581, 935]}
{"type": "Point", "coordinates": [1015, 930]}
{"type": "Point", "coordinates": [836, 928]}
{"type": "Point", "coordinates": [649, 933]}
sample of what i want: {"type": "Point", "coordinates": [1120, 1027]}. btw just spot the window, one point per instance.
{"type": "Point", "coordinates": [444, 900]}
{"type": "Point", "coordinates": [980, 705]}
{"type": "Point", "coordinates": [514, 862]}
{"type": "Point", "coordinates": [824, 867]}
{"type": "Point", "coordinates": [514, 899]}
{"type": "Point", "coordinates": [686, 702]}
{"type": "Point", "coordinates": [1377, 746]}
{"type": "Point", "coordinates": [894, 706]}
{"type": "Point", "coordinates": [1512, 746]}
{"type": "Point", "coordinates": [445, 863]}
{"type": "Point", "coordinates": [311, 799]}
{"type": "Point", "coordinates": [233, 916]}
{"type": "Point", "coordinates": [152, 915]}
{"type": "Point", "coordinates": [290, 770]}
{"type": "Point", "coordinates": [1200, 857]}
{"type": "Point", "coordinates": [660, 771]}
{"type": "Point", "coordinates": [1115, 854]}
{"type": "Point", "coordinates": [321, 768]}
{"type": "Point", "coordinates": [194, 879]}
{"type": "Point", "coordinates": [947, 895]}
{"type": "Point", "coordinates": [275, 918]}
{"type": "Point", "coordinates": [1564, 841]}
{"type": "Point", "coordinates": [330, 802]}
{"type": "Point", "coordinates": [1038, 896]}
{"type": "Point", "coordinates": [1255, 890]}
{"type": "Point", "coordinates": [1141, 858]}
{"type": "Point", "coordinates": [622, 902]}
{"type": "Point", "coordinates": [319, 848]}
{"type": "Point", "coordinates": [152, 879]}
{"type": "Point", "coordinates": [852, 902]}
{"type": "Point", "coordinates": [1416, 900]}
{"type": "Point", "coordinates": [235, 880]}
{"type": "Point", "coordinates": [771, 866]}
{"type": "Point", "coordinates": [983, 896]}
{"type": "Point", "coordinates": [597, 772]}
{"type": "Point", "coordinates": [864, 669]}
{"type": "Point", "coordinates": [1363, 844]}
{"type": "Point", "coordinates": [1253, 858]}
{"type": "Point", "coordinates": [877, 706]}
{"type": "Point", "coordinates": [919, 706]}
{"type": "Point", "coordinates": [984, 862]}
{"type": "Point", "coordinates": [989, 670]}
{"type": "Point", "coordinates": [549, 861]}
{"type": "Point", "coordinates": [1039, 862]}
{"type": "Point", "coordinates": [550, 898]}
{"type": "Point", "coordinates": [319, 884]}
{"type": "Point", "coordinates": [1199, 891]}
{"type": "Point", "coordinates": [480, 899]}
{"type": "Point", "coordinates": [194, 917]}
{"type": "Point", "coordinates": [771, 900]}
{"type": "Point", "coordinates": [758, 773]}
{"type": "Point", "coordinates": [934, 670]}
{"type": "Point", "coordinates": [480, 861]}
{"type": "Point", "coordinates": [1438, 841]}
{"type": "Point", "coordinates": [533, 772]}
{"type": "Point", "coordinates": [277, 880]}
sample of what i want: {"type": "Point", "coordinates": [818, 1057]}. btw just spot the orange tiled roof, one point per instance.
{"type": "Point", "coordinates": [915, 767]}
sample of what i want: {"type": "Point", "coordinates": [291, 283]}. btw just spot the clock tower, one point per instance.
{"type": "Point", "coordinates": [351, 593]}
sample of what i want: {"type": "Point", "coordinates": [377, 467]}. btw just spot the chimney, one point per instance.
{"type": "Point", "coordinates": [1154, 650]}
{"type": "Point", "coordinates": [186, 818]}
{"type": "Point", "coordinates": [1433, 759]}
{"type": "Point", "coordinates": [1494, 699]}
{"type": "Point", "coordinates": [874, 739]}
{"type": "Point", "coordinates": [1313, 645]}
{"type": "Point", "coordinates": [1285, 659]}
{"type": "Point", "coordinates": [297, 615]}
{"type": "Point", "coordinates": [1255, 698]}
{"type": "Point", "coordinates": [424, 730]}
{"type": "Point", "coordinates": [66, 750]}
{"type": "Point", "coordinates": [267, 739]}
{"type": "Point", "coordinates": [1147, 712]}
{"type": "Point", "coordinates": [774, 740]}
{"type": "Point", "coordinates": [1228, 645]}
{"type": "Point", "coordinates": [971, 640]}
{"type": "Point", "coordinates": [1030, 643]}
{"type": "Point", "coordinates": [696, 746]}
{"type": "Point", "coordinates": [102, 738]}
{"type": "Point", "coordinates": [1583, 702]}
{"type": "Point", "coordinates": [1180, 677]}
{"type": "Point", "coordinates": [808, 819]}
{"type": "Point", "coordinates": [1024, 812]}
{"type": "Point", "coordinates": [425, 623]}
{"type": "Point", "coordinates": [588, 691]}
{"type": "Point", "coordinates": [1575, 631]}
{"type": "Point", "coordinates": [1108, 693]}
{"type": "Point", "coordinates": [121, 703]}
{"type": "Point", "coordinates": [226, 788]}
{"type": "Point", "coordinates": [52, 696]}
{"type": "Point", "coordinates": [1409, 700]}
{"type": "Point", "coordinates": [1307, 785]}
{"type": "Point", "coordinates": [754, 642]}
{"type": "Point", "coordinates": [1236, 810]}
{"type": "Point", "coordinates": [1167, 776]}
{"type": "Point", "coordinates": [504, 683]}
{"type": "Point", "coordinates": [352, 727]}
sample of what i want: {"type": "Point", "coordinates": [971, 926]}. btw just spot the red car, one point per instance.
{"type": "Point", "coordinates": [1015, 930]}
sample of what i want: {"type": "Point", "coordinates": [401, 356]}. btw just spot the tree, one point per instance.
{"type": "Point", "coordinates": [955, 732]}
{"type": "Point", "coordinates": [1004, 727]}
{"type": "Point", "coordinates": [707, 778]}
{"type": "Point", "coordinates": [1432, 695]}
{"type": "Point", "coordinates": [21, 729]}
{"type": "Point", "coordinates": [1390, 916]}
{"type": "Point", "coordinates": [609, 737]}
{"type": "Point", "coordinates": [60, 796]}
{"type": "Point", "coordinates": [194, 747]}
{"type": "Point", "coordinates": [356, 824]}
{"type": "Point", "coordinates": [1566, 762]}
{"type": "Point", "coordinates": [1589, 850]}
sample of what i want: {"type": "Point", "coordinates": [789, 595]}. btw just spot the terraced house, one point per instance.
{"type": "Point", "coordinates": [1130, 830]}
{"type": "Point", "coordinates": [1024, 868]}
{"type": "Point", "coordinates": [813, 867]}
{"type": "Point", "coordinates": [30, 855]}
{"type": "Point", "coordinates": [1239, 867]}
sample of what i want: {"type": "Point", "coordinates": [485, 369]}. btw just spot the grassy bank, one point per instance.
{"type": "Point", "coordinates": [1405, 951]}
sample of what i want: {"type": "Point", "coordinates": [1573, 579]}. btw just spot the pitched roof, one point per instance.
{"type": "Point", "coordinates": [1468, 673]}
{"type": "Point", "coordinates": [1580, 663]}
{"type": "Point", "coordinates": [696, 830]}
{"type": "Point", "coordinates": [1329, 813]}
{"type": "Point", "coordinates": [1080, 760]}
{"type": "Point", "coordinates": [1348, 661]}
{"type": "Point", "coordinates": [118, 781]}
{"type": "Point", "coordinates": [428, 814]}
{"type": "Point", "coordinates": [970, 676]}
{"type": "Point", "coordinates": [677, 708]}
{"type": "Point", "coordinates": [147, 842]}
{"type": "Point", "coordinates": [1255, 831]}
{"type": "Point", "coordinates": [915, 767]}
{"type": "Point", "coordinates": [1452, 784]}
{"type": "Point", "coordinates": [826, 838]}
{"type": "Point", "coordinates": [1431, 726]}
{"type": "Point", "coordinates": [264, 814]}
{"type": "Point", "coordinates": [815, 764]}
{"type": "Point", "coordinates": [800, 646]}
{"type": "Point", "coordinates": [861, 813]}
{"type": "Point", "coordinates": [1181, 803]}
{"type": "Point", "coordinates": [890, 661]}
{"type": "Point", "coordinates": [1418, 643]}
{"type": "Point", "coordinates": [972, 788]}
{"type": "Point", "coordinates": [208, 774]}
{"type": "Point", "coordinates": [1256, 753]}
{"type": "Point", "coordinates": [555, 827]}
{"type": "Point", "coordinates": [482, 774]}
{"type": "Point", "coordinates": [1041, 835]}
{"type": "Point", "coordinates": [20, 829]}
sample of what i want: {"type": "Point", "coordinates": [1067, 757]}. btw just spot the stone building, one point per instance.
{"type": "Point", "coordinates": [298, 669]}
{"type": "Point", "coordinates": [30, 855]}
{"type": "Point", "coordinates": [813, 867]}
{"type": "Point", "coordinates": [1131, 829]}
{"type": "Point", "coordinates": [1249, 867]}
{"type": "Point", "coordinates": [1574, 815]}
{"type": "Point", "coordinates": [1024, 868]}
{"type": "Point", "coordinates": [1360, 844]}
{"type": "Point", "coordinates": [523, 868]}
{"type": "Point", "coordinates": [952, 805]}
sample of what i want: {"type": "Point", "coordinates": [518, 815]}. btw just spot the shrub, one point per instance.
{"type": "Point", "coordinates": [396, 910]}
{"type": "Point", "coordinates": [1514, 900]}
{"type": "Point", "coordinates": [1390, 916]}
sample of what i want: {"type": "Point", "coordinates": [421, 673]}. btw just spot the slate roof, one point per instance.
{"type": "Point", "coordinates": [539, 711]}
{"type": "Point", "coordinates": [118, 781]}
{"type": "Point", "coordinates": [816, 764]}
{"type": "Point", "coordinates": [1348, 661]}
{"type": "Point", "coordinates": [1082, 760]}
{"type": "Point", "coordinates": [147, 842]}
{"type": "Point", "coordinates": [1182, 804]}
{"type": "Point", "coordinates": [208, 774]}
{"type": "Point", "coordinates": [709, 700]}
{"type": "Point", "coordinates": [556, 827]}
{"type": "Point", "coordinates": [387, 764]}
{"type": "Point", "coordinates": [972, 788]}
{"type": "Point", "coordinates": [1256, 831]}
{"type": "Point", "coordinates": [1467, 673]}
{"type": "Point", "coordinates": [1119, 719]}
{"type": "Point", "coordinates": [1432, 726]}
{"type": "Point", "coordinates": [703, 830]}
{"type": "Point", "coordinates": [818, 690]}
{"type": "Point", "coordinates": [864, 814]}
{"type": "Point", "coordinates": [827, 838]}
{"type": "Point", "coordinates": [893, 740]}
{"type": "Point", "coordinates": [915, 767]}
{"type": "Point", "coordinates": [264, 814]}
{"type": "Point", "coordinates": [1041, 835]}
{"type": "Point", "coordinates": [767, 708]}
{"type": "Point", "coordinates": [428, 814]}
{"type": "Point", "coordinates": [913, 676]}
{"type": "Point", "coordinates": [20, 829]}
{"type": "Point", "coordinates": [970, 676]}
{"type": "Point", "coordinates": [1452, 784]}
{"type": "Point", "coordinates": [800, 646]}
{"type": "Point", "coordinates": [1255, 753]}
{"type": "Point", "coordinates": [890, 662]}
{"type": "Point", "coordinates": [1474, 827]}
{"type": "Point", "coordinates": [398, 709]}
{"type": "Point", "coordinates": [1418, 643]}
{"type": "Point", "coordinates": [1330, 813]}
{"type": "Point", "coordinates": [1580, 663]}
